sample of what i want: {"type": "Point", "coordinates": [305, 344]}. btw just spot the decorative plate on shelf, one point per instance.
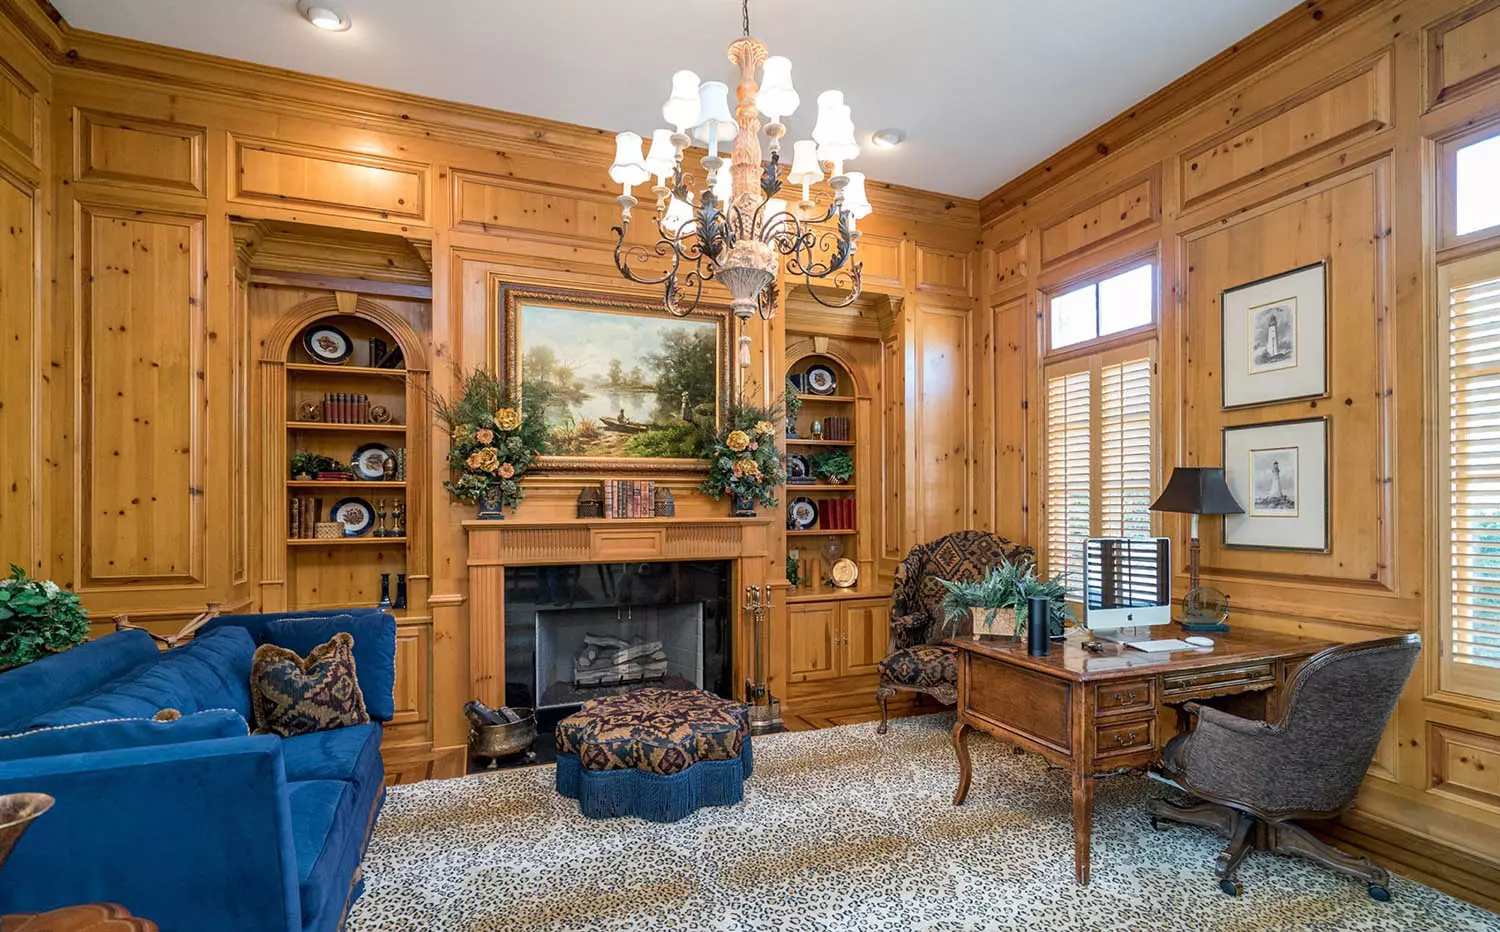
{"type": "Point", "coordinates": [798, 469]}
{"type": "Point", "coordinates": [802, 513]}
{"type": "Point", "coordinates": [328, 345]}
{"type": "Point", "coordinates": [355, 514]}
{"type": "Point", "coordinates": [310, 411]}
{"type": "Point", "coordinates": [821, 380]}
{"type": "Point", "coordinates": [844, 573]}
{"type": "Point", "coordinates": [368, 462]}
{"type": "Point", "coordinates": [379, 414]}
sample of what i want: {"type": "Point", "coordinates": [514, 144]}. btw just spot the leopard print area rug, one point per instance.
{"type": "Point", "coordinates": [842, 829]}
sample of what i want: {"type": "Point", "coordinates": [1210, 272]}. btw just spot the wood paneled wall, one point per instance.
{"type": "Point", "coordinates": [131, 326]}
{"type": "Point", "coordinates": [1317, 139]}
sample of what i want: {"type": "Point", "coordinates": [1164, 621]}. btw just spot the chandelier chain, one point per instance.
{"type": "Point", "coordinates": [745, 17]}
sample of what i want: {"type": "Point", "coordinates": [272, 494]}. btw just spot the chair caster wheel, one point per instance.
{"type": "Point", "coordinates": [1233, 888]}
{"type": "Point", "coordinates": [1379, 893]}
{"type": "Point", "coordinates": [1158, 824]}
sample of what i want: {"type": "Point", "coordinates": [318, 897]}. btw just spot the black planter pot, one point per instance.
{"type": "Point", "coordinates": [741, 506]}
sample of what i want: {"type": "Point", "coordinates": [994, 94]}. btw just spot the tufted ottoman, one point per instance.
{"type": "Point", "coordinates": [656, 754]}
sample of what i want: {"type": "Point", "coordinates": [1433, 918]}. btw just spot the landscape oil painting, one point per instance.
{"type": "Point", "coordinates": [618, 380]}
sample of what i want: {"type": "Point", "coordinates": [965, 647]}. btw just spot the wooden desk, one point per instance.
{"type": "Point", "coordinates": [1095, 713]}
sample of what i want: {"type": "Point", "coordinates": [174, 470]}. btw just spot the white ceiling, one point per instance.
{"type": "Point", "coordinates": [985, 88]}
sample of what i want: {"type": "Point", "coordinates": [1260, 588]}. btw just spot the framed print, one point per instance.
{"type": "Point", "coordinates": [1275, 338]}
{"type": "Point", "coordinates": [1278, 472]}
{"type": "Point", "coordinates": [622, 383]}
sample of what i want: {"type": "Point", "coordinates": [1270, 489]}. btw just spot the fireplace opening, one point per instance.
{"type": "Point", "coordinates": [576, 632]}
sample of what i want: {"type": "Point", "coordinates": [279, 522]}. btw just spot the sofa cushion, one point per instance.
{"type": "Point", "coordinates": [374, 651]}
{"type": "Point", "coordinates": [122, 733]}
{"type": "Point", "coordinates": [211, 672]}
{"type": "Point", "coordinates": [296, 695]}
{"type": "Point", "coordinates": [28, 691]}
{"type": "Point", "coordinates": [256, 623]}
{"type": "Point", "coordinates": [326, 833]}
{"type": "Point", "coordinates": [350, 754]}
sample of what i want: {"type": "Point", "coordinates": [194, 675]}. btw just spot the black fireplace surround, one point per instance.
{"type": "Point", "coordinates": [600, 629]}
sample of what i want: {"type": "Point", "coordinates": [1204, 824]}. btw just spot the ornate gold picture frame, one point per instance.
{"type": "Point", "coordinates": [627, 383]}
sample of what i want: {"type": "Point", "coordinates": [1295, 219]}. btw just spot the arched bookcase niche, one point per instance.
{"type": "Point", "coordinates": [299, 570]}
{"type": "Point", "coordinates": [845, 513]}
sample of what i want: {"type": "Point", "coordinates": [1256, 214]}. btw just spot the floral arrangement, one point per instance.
{"type": "Point", "coordinates": [492, 443]}
{"type": "Point", "coordinates": [1007, 587]}
{"type": "Point", "coordinates": [743, 460]}
{"type": "Point", "coordinates": [37, 619]}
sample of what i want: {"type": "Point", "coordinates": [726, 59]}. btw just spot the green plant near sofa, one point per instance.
{"type": "Point", "coordinates": [1006, 587]}
{"type": "Point", "coordinates": [37, 618]}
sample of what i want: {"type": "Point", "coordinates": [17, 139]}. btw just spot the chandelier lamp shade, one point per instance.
{"type": "Point", "coordinates": [733, 228]}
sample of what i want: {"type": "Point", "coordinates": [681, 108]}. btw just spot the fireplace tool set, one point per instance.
{"type": "Point", "coordinates": [765, 709]}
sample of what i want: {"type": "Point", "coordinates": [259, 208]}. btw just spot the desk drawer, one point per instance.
{"type": "Point", "coordinates": [1124, 737]}
{"type": "Point", "coordinates": [1113, 699]}
{"type": "Point", "coordinates": [1034, 705]}
{"type": "Point", "coordinates": [1202, 684]}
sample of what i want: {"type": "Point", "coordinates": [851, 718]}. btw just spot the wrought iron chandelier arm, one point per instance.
{"type": "Point", "coordinates": [850, 282]}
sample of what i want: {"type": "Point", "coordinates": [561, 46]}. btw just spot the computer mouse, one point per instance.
{"type": "Point", "coordinates": [1198, 641]}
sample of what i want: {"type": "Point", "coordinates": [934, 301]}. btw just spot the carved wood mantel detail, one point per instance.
{"type": "Point", "coordinates": [494, 545]}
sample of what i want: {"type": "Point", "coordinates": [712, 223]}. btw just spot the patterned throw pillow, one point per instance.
{"type": "Point", "coordinates": [296, 696]}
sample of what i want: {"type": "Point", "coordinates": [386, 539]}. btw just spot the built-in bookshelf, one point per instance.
{"type": "Point", "coordinates": [825, 424]}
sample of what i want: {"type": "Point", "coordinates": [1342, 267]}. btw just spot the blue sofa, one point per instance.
{"type": "Point", "coordinates": [195, 824]}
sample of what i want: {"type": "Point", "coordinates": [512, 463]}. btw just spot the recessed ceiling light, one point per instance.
{"type": "Point", "coordinates": [324, 17]}
{"type": "Point", "coordinates": [887, 138]}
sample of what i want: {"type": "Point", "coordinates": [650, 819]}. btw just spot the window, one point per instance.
{"type": "Point", "coordinates": [1471, 655]}
{"type": "Point", "coordinates": [1478, 185]}
{"type": "Point", "coordinates": [1099, 454]}
{"type": "Point", "coordinates": [1113, 305]}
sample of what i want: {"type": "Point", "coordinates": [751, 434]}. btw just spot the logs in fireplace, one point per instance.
{"type": "Point", "coordinates": [606, 660]}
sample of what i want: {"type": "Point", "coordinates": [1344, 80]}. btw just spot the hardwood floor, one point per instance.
{"type": "Point", "coordinates": [851, 711]}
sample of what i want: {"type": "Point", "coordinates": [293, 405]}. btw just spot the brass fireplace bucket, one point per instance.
{"type": "Point", "coordinates": [496, 742]}
{"type": "Point", "coordinates": [17, 811]}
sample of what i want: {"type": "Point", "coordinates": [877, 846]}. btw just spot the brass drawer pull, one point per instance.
{"type": "Point", "coordinates": [1125, 739]}
{"type": "Point", "coordinates": [1125, 698]}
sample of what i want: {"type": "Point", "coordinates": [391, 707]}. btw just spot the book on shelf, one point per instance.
{"type": "Point", "coordinates": [630, 498]}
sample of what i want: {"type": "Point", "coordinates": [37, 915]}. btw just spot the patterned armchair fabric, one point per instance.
{"type": "Point", "coordinates": [918, 661]}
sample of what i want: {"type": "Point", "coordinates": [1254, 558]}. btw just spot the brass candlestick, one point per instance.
{"type": "Point", "coordinates": [765, 709]}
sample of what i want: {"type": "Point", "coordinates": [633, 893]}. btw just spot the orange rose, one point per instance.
{"type": "Point", "coordinates": [507, 470]}
{"type": "Point", "coordinates": [484, 435]}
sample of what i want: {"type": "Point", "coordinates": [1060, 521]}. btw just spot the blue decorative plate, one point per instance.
{"type": "Point", "coordinates": [326, 344]}
{"type": "Point", "coordinates": [368, 462]}
{"type": "Point", "coordinates": [803, 513]}
{"type": "Point", "coordinates": [821, 380]}
{"type": "Point", "coordinates": [355, 514]}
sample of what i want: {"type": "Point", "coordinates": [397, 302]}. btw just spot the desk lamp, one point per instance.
{"type": "Point", "coordinates": [1199, 490]}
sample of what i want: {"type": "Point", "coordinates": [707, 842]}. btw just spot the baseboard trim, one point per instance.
{"type": "Point", "coordinates": [1435, 863]}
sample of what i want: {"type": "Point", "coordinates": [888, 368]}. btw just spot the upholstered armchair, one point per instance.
{"type": "Point", "coordinates": [1307, 764]}
{"type": "Point", "coordinates": [918, 660]}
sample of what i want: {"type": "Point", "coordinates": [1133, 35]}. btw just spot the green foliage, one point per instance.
{"type": "Point", "coordinates": [685, 365]}
{"type": "Point", "coordinates": [37, 619]}
{"type": "Point", "coordinates": [793, 403]}
{"type": "Point", "coordinates": [743, 459]}
{"type": "Point", "coordinates": [793, 570]}
{"type": "Point", "coordinates": [1007, 587]}
{"type": "Point", "coordinates": [304, 463]}
{"type": "Point", "coordinates": [835, 465]}
{"type": "Point", "coordinates": [684, 439]}
{"type": "Point", "coordinates": [491, 443]}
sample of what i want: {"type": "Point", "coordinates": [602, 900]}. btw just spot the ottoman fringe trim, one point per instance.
{"type": "Point", "coordinates": [604, 794]}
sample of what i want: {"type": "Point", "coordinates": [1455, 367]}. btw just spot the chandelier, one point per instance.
{"type": "Point", "coordinates": [735, 229]}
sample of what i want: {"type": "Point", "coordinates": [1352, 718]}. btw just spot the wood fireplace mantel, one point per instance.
{"type": "Point", "coordinates": [494, 545]}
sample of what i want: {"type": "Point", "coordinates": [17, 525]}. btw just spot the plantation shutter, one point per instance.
{"type": "Point", "coordinates": [1125, 476]}
{"type": "Point", "coordinates": [1069, 452]}
{"type": "Point", "coordinates": [1472, 652]}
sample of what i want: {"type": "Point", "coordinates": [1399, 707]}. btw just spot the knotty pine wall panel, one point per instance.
{"type": "Point", "coordinates": [20, 323]}
{"type": "Point", "coordinates": [1324, 151]}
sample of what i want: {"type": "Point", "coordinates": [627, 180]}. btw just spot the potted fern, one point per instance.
{"type": "Point", "coordinates": [997, 603]}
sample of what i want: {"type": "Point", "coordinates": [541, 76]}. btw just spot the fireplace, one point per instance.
{"type": "Point", "coordinates": [576, 632]}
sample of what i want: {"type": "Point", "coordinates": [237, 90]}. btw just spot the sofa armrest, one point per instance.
{"type": "Point", "coordinates": [191, 836]}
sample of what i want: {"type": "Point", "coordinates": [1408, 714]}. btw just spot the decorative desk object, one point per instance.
{"type": "Point", "coordinates": [491, 444]}
{"type": "Point", "coordinates": [1198, 490]}
{"type": "Point", "coordinates": [817, 430]}
{"type": "Point", "coordinates": [997, 604]}
{"type": "Point", "coordinates": [1038, 619]}
{"type": "Point", "coordinates": [1280, 471]}
{"type": "Point", "coordinates": [1275, 338]}
{"type": "Point", "coordinates": [656, 754]}
{"type": "Point", "coordinates": [17, 812]}
{"type": "Point", "coordinates": [765, 709]}
{"type": "Point", "coordinates": [327, 344]}
{"type": "Point", "coordinates": [736, 230]}
{"type": "Point", "coordinates": [1113, 697]}
{"type": "Point", "coordinates": [328, 530]}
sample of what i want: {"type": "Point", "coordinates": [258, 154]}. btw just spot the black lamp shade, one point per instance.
{"type": "Point", "coordinates": [1197, 490]}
